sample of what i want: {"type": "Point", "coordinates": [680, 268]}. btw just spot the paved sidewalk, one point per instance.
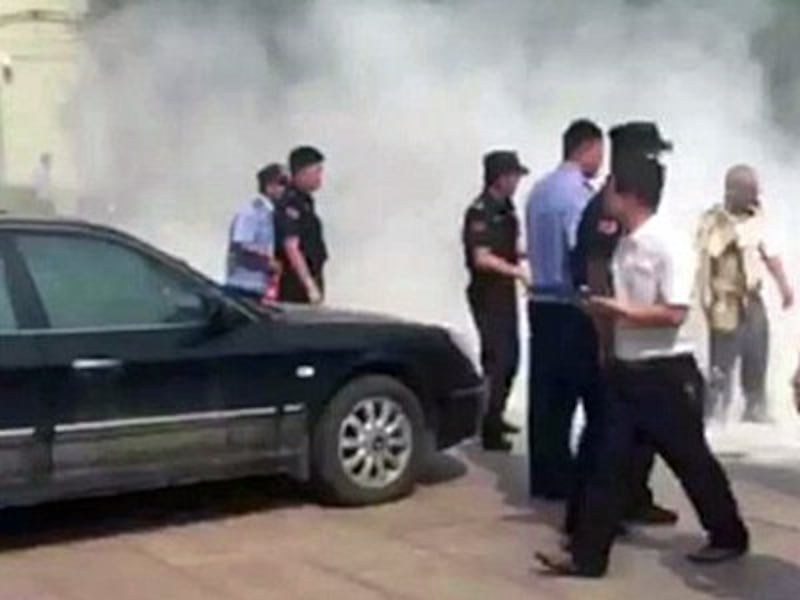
{"type": "Point", "coordinates": [469, 533]}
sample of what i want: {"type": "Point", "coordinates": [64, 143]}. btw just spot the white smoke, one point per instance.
{"type": "Point", "coordinates": [181, 102]}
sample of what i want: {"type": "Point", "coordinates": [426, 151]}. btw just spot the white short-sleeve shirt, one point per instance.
{"type": "Point", "coordinates": [653, 265]}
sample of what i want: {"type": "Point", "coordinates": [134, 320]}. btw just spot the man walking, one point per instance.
{"type": "Point", "coordinates": [655, 387]}
{"type": "Point", "coordinates": [735, 250]}
{"type": "Point", "coordinates": [251, 242]}
{"type": "Point", "coordinates": [563, 339]}
{"type": "Point", "coordinates": [491, 236]}
{"type": "Point", "coordinates": [598, 236]}
{"type": "Point", "coordinates": [301, 246]}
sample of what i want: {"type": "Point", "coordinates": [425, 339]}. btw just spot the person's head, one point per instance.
{"type": "Point", "coordinates": [46, 159]}
{"type": "Point", "coordinates": [502, 172]}
{"type": "Point", "coordinates": [634, 189]}
{"type": "Point", "coordinates": [306, 167]}
{"type": "Point", "coordinates": [272, 181]}
{"type": "Point", "coordinates": [741, 189]}
{"type": "Point", "coordinates": [583, 146]}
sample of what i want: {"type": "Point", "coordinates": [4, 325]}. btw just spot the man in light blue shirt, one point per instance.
{"type": "Point", "coordinates": [564, 361]}
{"type": "Point", "coordinates": [251, 243]}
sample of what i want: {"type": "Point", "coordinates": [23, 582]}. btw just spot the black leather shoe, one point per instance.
{"type": "Point", "coordinates": [712, 555]}
{"type": "Point", "coordinates": [496, 443]}
{"type": "Point", "coordinates": [563, 565]}
{"type": "Point", "coordinates": [509, 428]}
{"type": "Point", "coordinates": [653, 515]}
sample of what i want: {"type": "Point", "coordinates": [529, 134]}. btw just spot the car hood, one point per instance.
{"type": "Point", "coordinates": [300, 314]}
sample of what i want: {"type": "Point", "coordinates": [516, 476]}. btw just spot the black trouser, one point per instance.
{"type": "Point", "coordinates": [495, 316]}
{"type": "Point", "coordinates": [564, 368]}
{"type": "Point", "coordinates": [636, 488]}
{"type": "Point", "coordinates": [661, 401]}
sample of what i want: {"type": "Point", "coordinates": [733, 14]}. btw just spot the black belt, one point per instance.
{"type": "Point", "coordinates": [657, 361]}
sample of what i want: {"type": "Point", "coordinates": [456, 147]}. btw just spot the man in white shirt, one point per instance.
{"type": "Point", "coordinates": [655, 389]}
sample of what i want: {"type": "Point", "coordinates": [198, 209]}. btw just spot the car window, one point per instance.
{"type": "Point", "coordinates": [7, 319]}
{"type": "Point", "coordinates": [94, 283]}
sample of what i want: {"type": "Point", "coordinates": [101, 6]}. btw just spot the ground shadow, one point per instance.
{"type": "Point", "coordinates": [75, 520]}
{"type": "Point", "coordinates": [511, 472]}
{"type": "Point", "coordinates": [442, 467]}
{"type": "Point", "coordinates": [781, 478]}
{"type": "Point", "coordinates": [92, 518]}
{"type": "Point", "coordinates": [755, 577]}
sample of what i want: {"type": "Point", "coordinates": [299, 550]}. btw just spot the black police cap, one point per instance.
{"type": "Point", "coordinates": [639, 137]}
{"type": "Point", "coordinates": [502, 162]}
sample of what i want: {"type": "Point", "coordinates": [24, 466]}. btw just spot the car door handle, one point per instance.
{"type": "Point", "coordinates": [96, 364]}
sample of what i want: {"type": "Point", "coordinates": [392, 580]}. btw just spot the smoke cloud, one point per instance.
{"type": "Point", "coordinates": [181, 102]}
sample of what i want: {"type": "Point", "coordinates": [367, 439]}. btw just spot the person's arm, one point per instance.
{"type": "Point", "coordinates": [775, 267]}
{"type": "Point", "coordinates": [297, 262]}
{"type": "Point", "coordinates": [479, 237]}
{"type": "Point", "coordinates": [639, 315]}
{"type": "Point", "coordinates": [485, 260]}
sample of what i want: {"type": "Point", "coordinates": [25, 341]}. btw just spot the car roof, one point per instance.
{"type": "Point", "coordinates": [9, 221]}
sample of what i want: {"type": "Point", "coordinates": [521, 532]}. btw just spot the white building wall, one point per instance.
{"type": "Point", "coordinates": [41, 39]}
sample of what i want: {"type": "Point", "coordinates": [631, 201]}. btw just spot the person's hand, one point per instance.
{"type": "Point", "coordinates": [796, 386]}
{"type": "Point", "coordinates": [788, 298]}
{"type": "Point", "coordinates": [602, 306]}
{"type": "Point", "coordinates": [524, 277]}
{"type": "Point", "coordinates": [314, 295]}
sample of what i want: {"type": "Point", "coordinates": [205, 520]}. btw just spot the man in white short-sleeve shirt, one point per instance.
{"type": "Point", "coordinates": [655, 389]}
{"type": "Point", "coordinates": [651, 266]}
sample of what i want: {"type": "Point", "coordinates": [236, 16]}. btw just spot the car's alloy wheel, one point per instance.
{"type": "Point", "coordinates": [369, 442]}
{"type": "Point", "coordinates": [375, 442]}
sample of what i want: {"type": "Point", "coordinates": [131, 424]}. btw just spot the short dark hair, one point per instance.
{"type": "Point", "coordinates": [304, 156]}
{"type": "Point", "coordinates": [273, 173]}
{"type": "Point", "coordinates": [642, 177]}
{"type": "Point", "coordinates": [578, 133]}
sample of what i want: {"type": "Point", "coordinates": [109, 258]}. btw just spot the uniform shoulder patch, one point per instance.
{"type": "Point", "coordinates": [607, 226]}
{"type": "Point", "coordinates": [477, 226]}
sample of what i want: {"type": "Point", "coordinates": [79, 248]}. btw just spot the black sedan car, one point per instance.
{"type": "Point", "coordinates": [121, 368]}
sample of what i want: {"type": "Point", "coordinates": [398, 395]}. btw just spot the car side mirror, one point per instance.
{"type": "Point", "coordinates": [221, 317]}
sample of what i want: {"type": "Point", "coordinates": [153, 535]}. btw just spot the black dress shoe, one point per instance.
{"type": "Point", "coordinates": [652, 515]}
{"type": "Point", "coordinates": [510, 428]}
{"type": "Point", "coordinates": [563, 565]}
{"type": "Point", "coordinates": [496, 444]}
{"type": "Point", "coordinates": [712, 555]}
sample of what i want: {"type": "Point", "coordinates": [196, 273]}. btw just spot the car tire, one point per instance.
{"type": "Point", "coordinates": [354, 464]}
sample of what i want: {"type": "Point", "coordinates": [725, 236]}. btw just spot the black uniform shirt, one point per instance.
{"type": "Point", "coordinates": [295, 216]}
{"type": "Point", "coordinates": [598, 235]}
{"type": "Point", "coordinates": [492, 224]}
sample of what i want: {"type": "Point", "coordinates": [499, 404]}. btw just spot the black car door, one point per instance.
{"type": "Point", "coordinates": [142, 389]}
{"type": "Point", "coordinates": [24, 443]}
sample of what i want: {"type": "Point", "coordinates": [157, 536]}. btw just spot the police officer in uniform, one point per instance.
{"type": "Point", "coordinates": [301, 243]}
{"type": "Point", "coordinates": [491, 237]}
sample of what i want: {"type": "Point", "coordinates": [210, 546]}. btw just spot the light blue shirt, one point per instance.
{"type": "Point", "coordinates": [552, 216]}
{"type": "Point", "coordinates": [254, 226]}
